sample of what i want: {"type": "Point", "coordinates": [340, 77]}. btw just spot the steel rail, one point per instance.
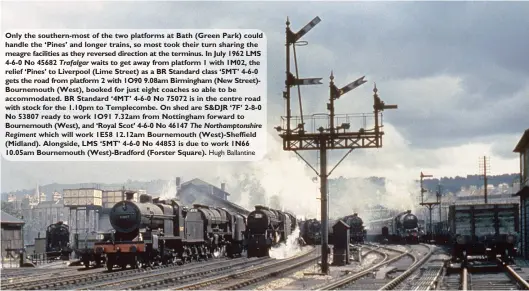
{"type": "Point", "coordinates": [521, 281]}
{"type": "Point", "coordinates": [159, 276]}
{"type": "Point", "coordinates": [221, 278]}
{"type": "Point", "coordinates": [464, 279]}
{"type": "Point", "coordinates": [348, 279]}
{"type": "Point", "coordinates": [435, 281]}
{"type": "Point", "coordinates": [393, 283]}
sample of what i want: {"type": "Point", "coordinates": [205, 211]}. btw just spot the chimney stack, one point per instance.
{"type": "Point", "coordinates": [223, 187]}
{"type": "Point", "coordinates": [129, 195]}
{"type": "Point", "coordinates": [177, 182]}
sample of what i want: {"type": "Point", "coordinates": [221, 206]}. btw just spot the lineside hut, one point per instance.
{"type": "Point", "coordinates": [11, 234]}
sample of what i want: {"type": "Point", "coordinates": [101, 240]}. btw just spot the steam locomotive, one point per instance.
{"type": "Point", "coordinates": [58, 241]}
{"type": "Point", "coordinates": [154, 231]}
{"type": "Point", "coordinates": [266, 228]}
{"type": "Point", "coordinates": [310, 230]}
{"type": "Point", "coordinates": [403, 228]}
{"type": "Point", "coordinates": [357, 233]}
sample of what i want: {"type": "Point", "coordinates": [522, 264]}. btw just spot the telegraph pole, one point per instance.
{"type": "Point", "coordinates": [324, 134]}
{"type": "Point", "coordinates": [484, 165]}
{"type": "Point", "coordinates": [439, 192]}
{"type": "Point", "coordinates": [429, 205]}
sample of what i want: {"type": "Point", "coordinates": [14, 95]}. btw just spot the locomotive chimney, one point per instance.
{"type": "Point", "coordinates": [129, 195]}
{"type": "Point", "coordinates": [223, 187]}
{"type": "Point", "coordinates": [177, 180]}
{"type": "Point", "coordinates": [156, 200]}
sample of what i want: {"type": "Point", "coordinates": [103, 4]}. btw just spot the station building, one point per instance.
{"type": "Point", "coordinates": [523, 149]}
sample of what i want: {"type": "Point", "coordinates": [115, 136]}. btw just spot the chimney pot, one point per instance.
{"type": "Point", "coordinates": [129, 195]}
{"type": "Point", "coordinates": [223, 187]}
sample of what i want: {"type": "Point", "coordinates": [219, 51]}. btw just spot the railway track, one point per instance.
{"type": "Point", "coordinates": [499, 277]}
{"type": "Point", "coordinates": [356, 280]}
{"type": "Point", "coordinates": [238, 279]}
{"type": "Point", "coordinates": [63, 281]}
{"type": "Point", "coordinates": [41, 276]}
{"type": "Point", "coordinates": [164, 278]}
{"type": "Point", "coordinates": [423, 275]}
{"type": "Point", "coordinates": [10, 274]}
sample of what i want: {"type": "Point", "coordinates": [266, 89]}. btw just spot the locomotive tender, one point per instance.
{"type": "Point", "coordinates": [266, 228]}
{"type": "Point", "coordinates": [58, 241]}
{"type": "Point", "coordinates": [154, 231]}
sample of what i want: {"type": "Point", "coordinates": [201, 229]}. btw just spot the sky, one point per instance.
{"type": "Point", "coordinates": [458, 71]}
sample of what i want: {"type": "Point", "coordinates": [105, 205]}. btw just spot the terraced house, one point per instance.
{"type": "Point", "coordinates": [523, 149]}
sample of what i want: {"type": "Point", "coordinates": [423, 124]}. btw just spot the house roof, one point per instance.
{"type": "Point", "coordinates": [202, 189]}
{"type": "Point", "coordinates": [202, 183]}
{"type": "Point", "coordinates": [8, 218]}
{"type": "Point", "coordinates": [523, 143]}
{"type": "Point", "coordinates": [523, 192]}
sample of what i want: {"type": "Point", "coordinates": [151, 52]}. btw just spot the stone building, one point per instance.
{"type": "Point", "coordinates": [523, 149]}
{"type": "Point", "coordinates": [197, 191]}
{"type": "Point", "coordinates": [11, 233]}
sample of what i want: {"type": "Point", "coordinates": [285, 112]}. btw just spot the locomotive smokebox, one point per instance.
{"type": "Point", "coordinates": [128, 217]}
{"type": "Point", "coordinates": [409, 221]}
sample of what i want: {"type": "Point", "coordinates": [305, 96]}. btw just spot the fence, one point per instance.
{"type": "Point", "coordinates": [16, 258]}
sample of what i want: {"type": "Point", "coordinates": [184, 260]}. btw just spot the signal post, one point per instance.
{"type": "Point", "coordinates": [428, 205]}
{"type": "Point", "coordinates": [324, 134]}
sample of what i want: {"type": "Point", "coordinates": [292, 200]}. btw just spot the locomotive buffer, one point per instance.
{"type": "Point", "coordinates": [327, 136]}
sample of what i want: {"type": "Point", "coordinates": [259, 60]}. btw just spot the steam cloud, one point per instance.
{"type": "Point", "coordinates": [283, 181]}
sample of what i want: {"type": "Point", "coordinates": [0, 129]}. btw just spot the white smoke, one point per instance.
{"type": "Point", "coordinates": [169, 190]}
{"type": "Point", "coordinates": [287, 249]}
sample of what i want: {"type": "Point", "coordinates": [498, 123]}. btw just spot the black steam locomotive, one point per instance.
{"type": "Point", "coordinates": [403, 228]}
{"type": "Point", "coordinates": [155, 231]}
{"type": "Point", "coordinates": [266, 228]}
{"type": "Point", "coordinates": [310, 230]}
{"type": "Point", "coordinates": [357, 233]}
{"type": "Point", "coordinates": [58, 241]}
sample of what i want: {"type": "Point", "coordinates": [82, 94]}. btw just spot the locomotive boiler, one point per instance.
{"type": "Point", "coordinates": [154, 231]}
{"type": "Point", "coordinates": [266, 228]}
{"type": "Point", "coordinates": [407, 227]}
